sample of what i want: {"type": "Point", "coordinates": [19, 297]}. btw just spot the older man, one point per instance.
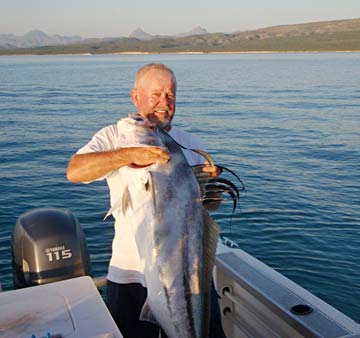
{"type": "Point", "coordinates": [105, 157]}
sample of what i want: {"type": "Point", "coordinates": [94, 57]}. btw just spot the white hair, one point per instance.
{"type": "Point", "coordinates": [152, 66]}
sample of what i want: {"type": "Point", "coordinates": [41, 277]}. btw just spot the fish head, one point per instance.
{"type": "Point", "coordinates": [142, 131]}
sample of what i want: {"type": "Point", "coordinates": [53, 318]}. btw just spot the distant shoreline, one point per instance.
{"type": "Point", "coordinates": [188, 53]}
{"type": "Point", "coordinates": [337, 36]}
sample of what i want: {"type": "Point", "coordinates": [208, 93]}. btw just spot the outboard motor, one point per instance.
{"type": "Point", "coordinates": [48, 245]}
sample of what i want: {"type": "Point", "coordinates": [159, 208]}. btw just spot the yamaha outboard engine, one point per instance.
{"type": "Point", "coordinates": [48, 245]}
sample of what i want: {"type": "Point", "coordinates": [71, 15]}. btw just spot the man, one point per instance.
{"type": "Point", "coordinates": [106, 156]}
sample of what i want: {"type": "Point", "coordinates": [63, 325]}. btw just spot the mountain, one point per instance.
{"type": "Point", "coordinates": [138, 33]}
{"type": "Point", "coordinates": [338, 35]}
{"type": "Point", "coordinates": [35, 38]}
{"type": "Point", "coordinates": [195, 31]}
{"type": "Point", "coordinates": [304, 29]}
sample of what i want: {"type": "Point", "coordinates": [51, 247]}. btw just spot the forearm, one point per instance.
{"type": "Point", "coordinates": [91, 166]}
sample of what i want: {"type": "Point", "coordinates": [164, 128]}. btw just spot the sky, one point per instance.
{"type": "Point", "coordinates": [115, 18]}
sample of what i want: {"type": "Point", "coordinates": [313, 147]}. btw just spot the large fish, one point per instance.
{"type": "Point", "coordinates": [175, 237]}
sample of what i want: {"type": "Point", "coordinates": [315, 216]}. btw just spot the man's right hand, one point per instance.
{"type": "Point", "coordinates": [145, 156]}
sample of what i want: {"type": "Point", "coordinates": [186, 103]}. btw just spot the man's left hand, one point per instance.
{"type": "Point", "coordinates": [204, 173]}
{"type": "Point", "coordinates": [214, 171]}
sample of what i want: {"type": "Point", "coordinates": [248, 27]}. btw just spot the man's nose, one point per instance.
{"type": "Point", "coordinates": [164, 99]}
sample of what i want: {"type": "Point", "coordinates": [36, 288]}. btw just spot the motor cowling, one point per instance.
{"type": "Point", "coordinates": [48, 245]}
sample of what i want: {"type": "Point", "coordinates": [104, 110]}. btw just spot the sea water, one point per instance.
{"type": "Point", "coordinates": [287, 124]}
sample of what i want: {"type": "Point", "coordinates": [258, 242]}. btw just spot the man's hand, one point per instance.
{"type": "Point", "coordinates": [214, 171]}
{"type": "Point", "coordinates": [211, 197]}
{"type": "Point", "coordinates": [145, 156]}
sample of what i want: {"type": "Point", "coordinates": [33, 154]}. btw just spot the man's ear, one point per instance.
{"type": "Point", "coordinates": [134, 97]}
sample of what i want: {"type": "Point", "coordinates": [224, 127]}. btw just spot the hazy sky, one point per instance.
{"type": "Point", "coordinates": [107, 18]}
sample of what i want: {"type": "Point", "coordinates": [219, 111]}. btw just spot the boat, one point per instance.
{"type": "Point", "coordinates": [259, 302]}
{"type": "Point", "coordinates": [255, 300]}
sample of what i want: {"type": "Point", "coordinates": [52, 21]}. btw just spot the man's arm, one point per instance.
{"type": "Point", "coordinates": [90, 166]}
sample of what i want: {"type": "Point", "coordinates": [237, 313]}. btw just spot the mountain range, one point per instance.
{"type": "Point", "coordinates": [338, 35]}
{"type": "Point", "coordinates": [37, 38]}
{"type": "Point", "coordinates": [138, 33]}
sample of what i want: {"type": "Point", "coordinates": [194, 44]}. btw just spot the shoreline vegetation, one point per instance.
{"type": "Point", "coordinates": [185, 53]}
{"type": "Point", "coordinates": [328, 36]}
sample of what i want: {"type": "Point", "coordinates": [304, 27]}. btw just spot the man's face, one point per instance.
{"type": "Point", "coordinates": [154, 97]}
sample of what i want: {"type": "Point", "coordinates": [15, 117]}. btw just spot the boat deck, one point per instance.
{"type": "Point", "coordinates": [71, 308]}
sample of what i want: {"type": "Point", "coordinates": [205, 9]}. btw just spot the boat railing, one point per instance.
{"type": "Point", "coordinates": [256, 301]}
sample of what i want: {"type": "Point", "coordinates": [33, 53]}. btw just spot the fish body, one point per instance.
{"type": "Point", "coordinates": [176, 240]}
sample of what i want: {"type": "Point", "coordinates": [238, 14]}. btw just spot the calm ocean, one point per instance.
{"type": "Point", "coordinates": [288, 124]}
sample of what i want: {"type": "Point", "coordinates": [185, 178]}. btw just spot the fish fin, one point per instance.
{"type": "Point", "coordinates": [212, 233]}
{"type": "Point", "coordinates": [149, 186]}
{"type": "Point", "coordinates": [126, 201]}
{"type": "Point", "coordinates": [147, 315]}
{"type": "Point", "coordinates": [234, 174]}
{"type": "Point", "coordinates": [217, 189]}
{"type": "Point", "coordinates": [204, 154]}
{"type": "Point", "coordinates": [211, 236]}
